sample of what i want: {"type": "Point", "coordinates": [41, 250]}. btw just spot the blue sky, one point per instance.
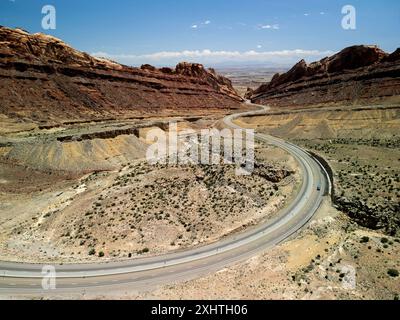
{"type": "Point", "coordinates": [163, 32]}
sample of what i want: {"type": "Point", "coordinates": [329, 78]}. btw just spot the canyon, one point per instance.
{"type": "Point", "coordinates": [46, 82]}
{"type": "Point", "coordinates": [75, 185]}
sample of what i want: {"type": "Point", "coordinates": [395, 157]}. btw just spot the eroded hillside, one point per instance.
{"type": "Point", "coordinates": [44, 81]}
{"type": "Point", "coordinates": [356, 75]}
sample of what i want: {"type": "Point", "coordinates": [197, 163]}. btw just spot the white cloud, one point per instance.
{"type": "Point", "coordinates": [201, 24]}
{"type": "Point", "coordinates": [269, 26]}
{"type": "Point", "coordinates": [209, 56]}
{"type": "Point", "coordinates": [306, 14]}
{"type": "Point", "coordinates": [259, 46]}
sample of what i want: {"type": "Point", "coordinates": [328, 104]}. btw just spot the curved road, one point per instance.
{"type": "Point", "coordinates": [146, 273]}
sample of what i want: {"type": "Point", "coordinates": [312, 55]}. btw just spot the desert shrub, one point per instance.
{"type": "Point", "coordinates": [92, 252]}
{"type": "Point", "coordinates": [364, 239]}
{"type": "Point", "coordinates": [393, 273]}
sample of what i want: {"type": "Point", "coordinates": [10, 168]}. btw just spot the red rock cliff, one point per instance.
{"type": "Point", "coordinates": [356, 74]}
{"type": "Point", "coordinates": [44, 80]}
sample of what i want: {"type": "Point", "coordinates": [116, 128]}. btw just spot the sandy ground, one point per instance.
{"type": "Point", "coordinates": [326, 260]}
{"type": "Point", "coordinates": [138, 210]}
{"type": "Point", "coordinates": [331, 258]}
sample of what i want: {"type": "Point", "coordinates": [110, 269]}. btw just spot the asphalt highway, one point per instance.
{"type": "Point", "coordinates": [144, 273]}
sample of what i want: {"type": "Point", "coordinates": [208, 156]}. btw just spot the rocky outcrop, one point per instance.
{"type": "Point", "coordinates": [383, 217]}
{"type": "Point", "coordinates": [395, 56]}
{"type": "Point", "coordinates": [353, 58]}
{"type": "Point", "coordinates": [356, 74]}
{"type": "Point", "coordinates": [45, 81]}
{"type": "Point", "coordinates": [249, 93]}
{"type": "Point", "coordinates": [148, 67]}
{"type": "Point", "coordinates": [198, 71]}
{"type": "Point", "coordinates": [270, 173]}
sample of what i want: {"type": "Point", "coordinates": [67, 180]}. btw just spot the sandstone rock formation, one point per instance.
{"type": "Point", "coordinates": [45, 81]}
{"type": "Point", "coordinates": [357, 74]}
